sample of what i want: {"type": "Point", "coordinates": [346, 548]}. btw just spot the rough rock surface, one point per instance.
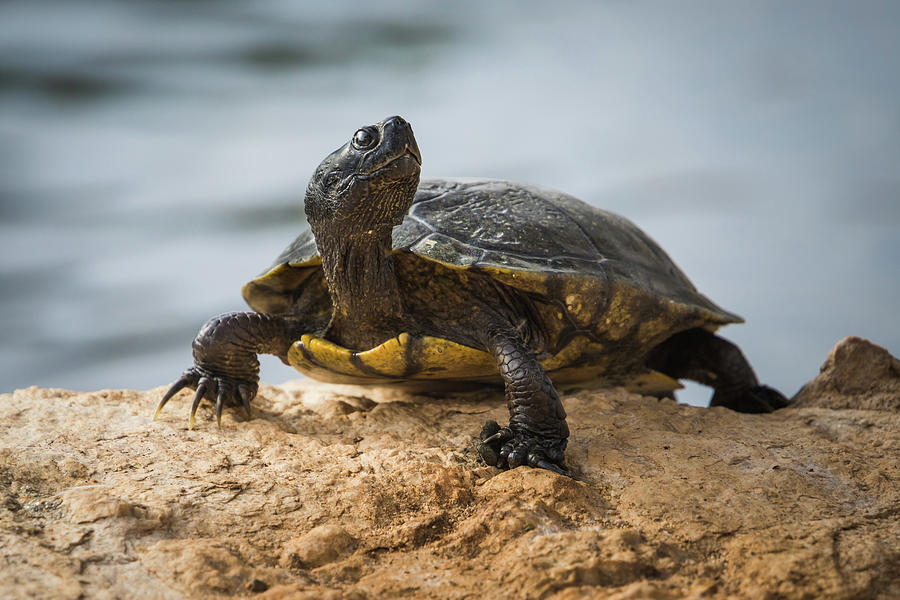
{"type": "Point", "coordinates": [857, 374]}
{"type": "Point", "coordinates": [348, 492]}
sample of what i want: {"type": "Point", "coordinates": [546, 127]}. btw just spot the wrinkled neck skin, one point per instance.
{"type": "Point", "coordinates": [359, 270]}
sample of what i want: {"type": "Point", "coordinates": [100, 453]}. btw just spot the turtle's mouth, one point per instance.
{"type": "Point", "coordinates": [414, 152]}
{"type": "Point", "coordinates": [398, 163]}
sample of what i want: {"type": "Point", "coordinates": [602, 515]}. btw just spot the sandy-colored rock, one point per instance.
{"type": "Point", "coordinates": [322, 545]}
{"type": "Point", "coordinates": [856, 374]}
{"type": "Point", "coordinates": [349, 492]}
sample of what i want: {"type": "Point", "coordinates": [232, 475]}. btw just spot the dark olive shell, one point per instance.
{"type": "Point", "coordinates": [524, 236]}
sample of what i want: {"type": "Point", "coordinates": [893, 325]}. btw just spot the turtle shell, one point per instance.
{"type": "Point", "coordinates": [611, 278]}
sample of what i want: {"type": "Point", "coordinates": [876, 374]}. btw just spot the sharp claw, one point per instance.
{"type": "Point", "coordinates": [179, 385]}
{"type": "Point", "coordinates": [500, 436]}
{"type": "Point", "coordinates": [201, 391]}
{"type": "Point", "coordinates": [245, 400]}
{"type": "Point", "coordinates": [159, 407]}
{"type": "Point", "coordinates": [545, 464]}
{"type": "Point", "coordinates": [220, 401]}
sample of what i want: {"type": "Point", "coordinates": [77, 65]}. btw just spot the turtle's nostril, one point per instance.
{"type": "Point", "coordinates": [395, 120]}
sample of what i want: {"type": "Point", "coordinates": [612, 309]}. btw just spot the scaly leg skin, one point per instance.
{"type": "Point", "coordinates": [706, 358]}
{"type": "Point", "coordinates": [537, 432]}
{"type": "Point", "coordinates": [226, 367]}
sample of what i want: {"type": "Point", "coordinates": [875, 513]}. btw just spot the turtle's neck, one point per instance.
{"type": "Point", "coordinates": [359, 270]}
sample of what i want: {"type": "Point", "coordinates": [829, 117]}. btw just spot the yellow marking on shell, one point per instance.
{"type": "Point", "coordinates": [652, 383]}
{"type": "Point", "coordinates": [273, 292]}
{"type": "Point", "coordinates": [573, 303]}
{"type": "Point", "coordinates": [431, 358]}
{"type": "Point", "coordinates": [434, 358]}
{"type": "Point", "coordinates": [388, 358]}
{"type": "Point", "coordinates": [323, 353]}
{"type": "Point", "coordinates": [659, 323]}
{"type": "Point", "coordinates": [437, 359]}
{"type": "Point", "coordinates": [619, 317]}
{"type": "Point", "coordinates": [579, 347]}
{"type": "Point", "coordinates": [529, 281]}
{"type": "Point", "coordinates": [443, 359]}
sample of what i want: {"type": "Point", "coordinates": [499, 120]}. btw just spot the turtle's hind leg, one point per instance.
{"type": "Point", "coordinates": [701, 356]}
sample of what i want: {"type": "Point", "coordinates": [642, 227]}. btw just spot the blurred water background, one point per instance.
{"type": "Point", "coordinates": [153, 155]}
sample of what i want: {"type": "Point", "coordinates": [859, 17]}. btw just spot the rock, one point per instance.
{"type": "Point", "coordinates": [351, 492]}
{"type": "Point", "coordinates": [856, 374]}
{"type": "Point", "coordinates": [320, 546]}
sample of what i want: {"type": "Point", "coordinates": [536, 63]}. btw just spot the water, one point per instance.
{"type": "Point", "coordinates": [153, 155]}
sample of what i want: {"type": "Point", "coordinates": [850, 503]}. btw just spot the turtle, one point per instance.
{"type": "Point", "coordinates": [455, 281]}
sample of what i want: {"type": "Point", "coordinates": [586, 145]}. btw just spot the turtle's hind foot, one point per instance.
{"type": "Point", "coordinates": [753, 399]}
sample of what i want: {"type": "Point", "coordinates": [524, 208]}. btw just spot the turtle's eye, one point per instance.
{"type": "Point", "coordinates": [364, 138]}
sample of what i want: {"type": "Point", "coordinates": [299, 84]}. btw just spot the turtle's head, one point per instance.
{"type": "Point", "coordinates": [367, 184]}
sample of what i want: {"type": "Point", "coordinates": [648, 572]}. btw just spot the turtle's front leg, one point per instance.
{"type": "Point", "coordinates": [537, 432]}
{"type": "Point", "coordinates": [226, 367]}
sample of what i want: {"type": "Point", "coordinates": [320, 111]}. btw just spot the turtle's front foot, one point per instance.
{"type": "Point", "coordinates": [506, 448]}
{"type": "Point", "coordinates": [226, 368]}
{"type": "Point", "coordinates": [220, 389]}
